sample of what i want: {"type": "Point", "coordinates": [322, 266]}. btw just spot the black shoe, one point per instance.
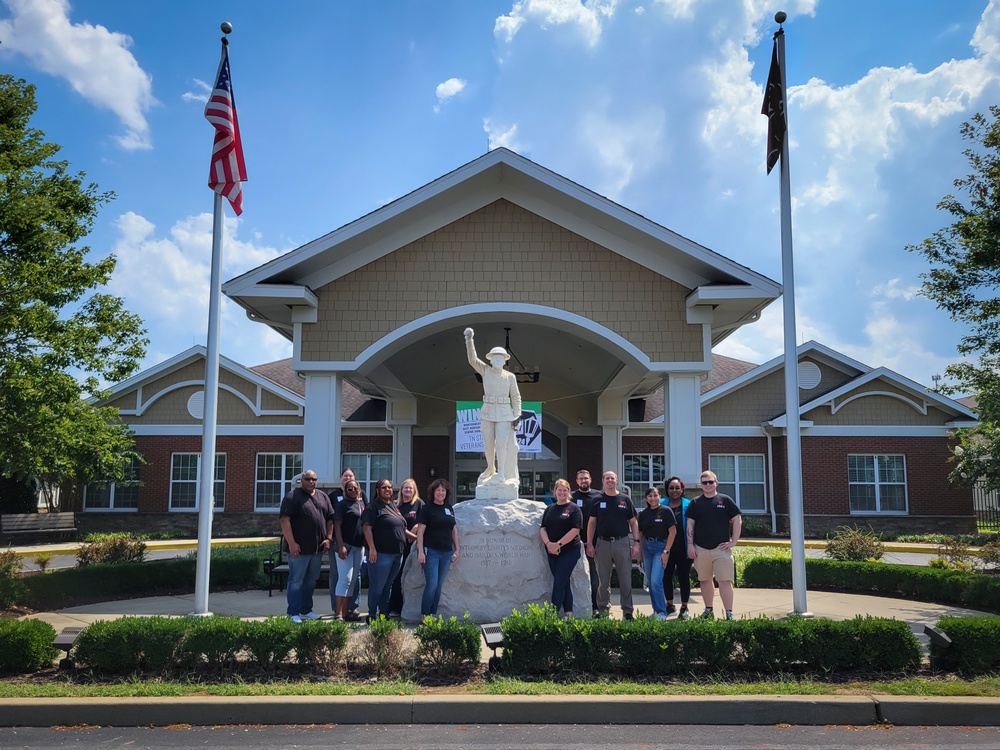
{"type": "Point", "coordinates": [684, 615]}
{"type": "Point", "coordinates": [628, 616]}
{"type": "Point", "coordinates": [670, 609]}
{"type": "Point", "coordinates": [708, 614]}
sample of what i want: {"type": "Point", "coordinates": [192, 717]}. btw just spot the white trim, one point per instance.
{"type": "Point", "coordinates": [576, 324]}
{"type": "Point", "coordinates": [738, 431]}
{"type": "Point", "coordinates": [920, 408]}
{"type": "Point", "coordinates": [874, 431]}
{"type": "Point", "coordinates": [240, 430]}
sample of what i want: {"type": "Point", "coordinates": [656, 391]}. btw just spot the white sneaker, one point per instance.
{"type": "Point", "coordinates": [311, 616]}
{"type": "Point", "coordinates": [297, 619]}
{"type": "Point", "coordinates": [661, 616]}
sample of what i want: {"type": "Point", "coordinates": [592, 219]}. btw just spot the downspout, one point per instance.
{"type": "Point", "coordinates": [770, 477]}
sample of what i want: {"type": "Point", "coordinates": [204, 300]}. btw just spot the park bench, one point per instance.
{"type": "Point", "coordinates": [276, 569]}
{"type": "Point", "coordinates": [21, 526]}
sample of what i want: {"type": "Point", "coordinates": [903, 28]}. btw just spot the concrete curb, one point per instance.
{"type": "Point", "coordinates": [515, 709]}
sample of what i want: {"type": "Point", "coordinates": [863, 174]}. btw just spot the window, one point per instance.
{"type": "Point", "coordinates": [185, 476]}
{"type": "Point", "coordinates": [877, 484]}
{"type": "Point", "coordinates": [122, 495]}
{"type": "Point", "coordinates": [274, 478]}
{"type": "Point", "coordinates": [368, 468]}
{"type": "Point", "coordinates": [642, 471]}
{"type": "Point", "coordinates": [742, 478]}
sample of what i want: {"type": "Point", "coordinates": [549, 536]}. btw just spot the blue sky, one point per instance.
{"type": "Point", "coordinates": [653, 103]}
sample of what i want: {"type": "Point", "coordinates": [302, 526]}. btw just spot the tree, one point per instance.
{"type": "Point", "coordinates": [965, 280]}
{"type": "Point", "coordinates": [59, 336]}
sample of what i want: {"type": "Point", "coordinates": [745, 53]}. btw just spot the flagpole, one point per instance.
{"type": "Point", "coordinates": [206, 495]}
{"type": "Point", "coordinates": [227, 142]}
{"type": "Point", "coordinates": [796, 523]}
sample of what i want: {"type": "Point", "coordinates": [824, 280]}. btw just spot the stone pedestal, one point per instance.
{"type": "Point", "coordinates": [499, 492]}
{"type": "Point", "coordinates": [503, 565]}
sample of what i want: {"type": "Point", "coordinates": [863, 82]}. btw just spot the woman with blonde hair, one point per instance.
{"type": "Point", "coordinates": [409, 507]}
{"type": "Point", "coordinates": [560, 532]}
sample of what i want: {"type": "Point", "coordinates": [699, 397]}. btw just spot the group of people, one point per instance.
{"type": "Point", "coordinates": [668, 539]}
{"type": "Point", "coordinates": [349, 528]}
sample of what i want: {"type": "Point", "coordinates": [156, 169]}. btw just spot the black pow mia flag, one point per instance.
{"type": "Point", "coordinates": [774, 108]}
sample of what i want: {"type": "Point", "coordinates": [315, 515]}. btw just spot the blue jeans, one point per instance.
{"type": "Point", "coordinates": [381, 574]}
{"type": "Point", "coordinates": [303, 571]}
{"type": "Point", "coordinates": [652, 563]}
{"type": "Point", "coordinates": [562, 566]}
{"type": "Point", "coordinates": [348, 571]}
{"type": "Point", "coordinates": [435, 569]}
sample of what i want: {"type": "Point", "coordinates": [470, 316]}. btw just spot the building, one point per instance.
{"type": "Point", "coordinates": [611, 319]}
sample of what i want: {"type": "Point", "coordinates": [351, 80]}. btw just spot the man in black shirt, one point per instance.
{"type": "Point", "coordinates": [306, 518]}
{"type": "Point", "coordinates": [714, 524]}
{"type": "Point", "coordinates": [585, 496]}
{"type": "Point", "coordinates": [613, 540]}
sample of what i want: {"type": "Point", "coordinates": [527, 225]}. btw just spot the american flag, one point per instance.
{"type": "Point", "coordinates": [227, 171]}
{"type": "Point", "coordinates": [774, 108]}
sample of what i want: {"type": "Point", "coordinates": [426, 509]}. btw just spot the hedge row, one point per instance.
{"type": "Point", "coordinates": [972, 590]}
{"type": "Point", "coordinates": [26, 645]}
{"type": "Point", "coordinates": [538, 642]}
{"type": "Point", "coordinates": [101, 582]}
{"type": "Point", "coordinates": [975, 645]}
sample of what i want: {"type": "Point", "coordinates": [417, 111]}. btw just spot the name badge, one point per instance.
{"type": "Point", "coordinates": [603, 504]}
{"type": "Point", "coordinates": [579, 502]}
{"type": "Point", "coordinates": [447, 511]}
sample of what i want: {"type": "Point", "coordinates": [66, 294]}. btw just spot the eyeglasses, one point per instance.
{"type": "Point", "coordinates": [708, 481]}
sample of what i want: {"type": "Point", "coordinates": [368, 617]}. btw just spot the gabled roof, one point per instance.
{"type": "Point", "coordinates": [270, 292]}
{"type": "Point", "coordinates": [194, 354]}
{"type": "Point", "coordinates": [813, 349]}
{"type": "Point", "coordinates": [922, 397]}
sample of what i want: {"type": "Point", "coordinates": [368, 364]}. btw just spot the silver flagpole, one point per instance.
{"type": "Point", "coordinates": [796, 523]}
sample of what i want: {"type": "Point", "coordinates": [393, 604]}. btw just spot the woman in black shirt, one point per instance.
{"type": "Point", "coordinates": [657, 529]}
{"type": "Point", "coordinates": [350, 543]}
{"type": "Point", "coordinates": [409, 507]}
{"type": "Point", "coordinates": [560, 532]}
{"type": "Point", "coordinates": [385, 533]}
{"type": "Point", "coordinates": [437, 543]}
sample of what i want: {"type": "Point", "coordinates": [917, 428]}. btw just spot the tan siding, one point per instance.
{"type": "Point", "coordinates": [502, 253]}
{"type": "Point", "coordinates": [752, 404]}
{"type": "Point", "coordinates": [878, 409]}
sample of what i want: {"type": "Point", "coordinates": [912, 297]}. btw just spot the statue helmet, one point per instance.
{"type": "Point", "coordinates": [498, 350]}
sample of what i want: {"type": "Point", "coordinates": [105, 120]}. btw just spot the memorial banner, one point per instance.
{"type": "Point", "coordinates": [468, 438]}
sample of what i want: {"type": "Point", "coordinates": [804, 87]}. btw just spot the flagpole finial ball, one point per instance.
{"type": "Point", "coordinates": [227, 28]}
{"type": "Point", "coordinates": [779, 17]}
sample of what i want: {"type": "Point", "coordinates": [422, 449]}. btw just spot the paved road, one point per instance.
{"type": "Point", "coordinates": [507, 737]}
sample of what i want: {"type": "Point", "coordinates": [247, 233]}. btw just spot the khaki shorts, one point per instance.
{"type": "Point", "coordinates": [717, 562]}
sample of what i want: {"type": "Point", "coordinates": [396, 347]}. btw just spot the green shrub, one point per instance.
{"type": "Point", "coordinates": [158, 640]}
{"type": "Point", "coordinates": [958, 555]}
{"type": "Point", "coordinates": [448, 646]}
{"type": "Point", "coordinates": [743, 555]}
{"type": "Point", "coordinates": [111, 646]}
{"type": "Point", "coordinates": [975, 645]}
{"type": "Point", "coordinates": [534, 641]}
{"type": "Point", "coordinates": [851, 543]}
{"type": "Point", "coordinates": [13, 591]}
{"type": "Point", "coordinates": [270, 641]}
{"type": "Point", "coordinates": [213, 641]}
{"type": "Point", "coordinates": [111, 549]}
{"type": "Point", "coordinates": [756, 527]}
{"type": "Point", "coordinates": [320, 643]}
{"type": "Point", "coordinates": [26, 645]}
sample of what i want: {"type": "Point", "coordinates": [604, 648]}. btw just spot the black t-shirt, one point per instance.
{"type": "Point", "coordinates": [308, 515]}
{"type": "Point", "coordinates": [558, 520]}
{"type": "Point", "coordinates": [388, 528]}
{"type": "Point", "coordinates": [712, 516]}
{"type": "Point", "coordinates": [349, 514]}
{"type": "Point", "coordinates": [655, 524]}
{"type": "Point", "coordinates": [409, 512]}
{"type": "Point", "coordinates": [680, 517]}
{"type": "Point", "coordinates": [438, 521]}
{"type": "Point", "coordinates": [612, 513]}
{"type": "Point", "coordinates": [585, 502]}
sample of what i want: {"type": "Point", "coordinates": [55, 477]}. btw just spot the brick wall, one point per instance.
{"type": "Point", "coordinates": [584, 451]}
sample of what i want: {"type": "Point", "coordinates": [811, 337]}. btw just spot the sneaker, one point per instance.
{"type": "Point", "coordinates": [729, 614]}
{"type": "Point", "coordinates": [671, 608]}
{"type": "Point", "coordinates": [628, 616]}
{"type": "Point", "coordinates": [661, 616]}
{"type": "Point", "coordinates": [708, 614]}
{"type": "Point", "coordinates": [394, 616]}
{"type": "Point", "coordinates": [353, 616]}
{"type": "Point", "coordinates": [296, 619]}
{"type": "Point", "coordinates": [684, 615]}
{"type": "Point", "coordinates": [310, 616]}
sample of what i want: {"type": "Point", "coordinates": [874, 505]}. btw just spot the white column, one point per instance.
{"type": "Point", "coordinates": [401, 416]}
{"type": "Point", "coordinates": [682, 426]}
{"type": "Point", "coordinates": [612, 416]}
{"type": "Point", "coordinates": [321, 448]}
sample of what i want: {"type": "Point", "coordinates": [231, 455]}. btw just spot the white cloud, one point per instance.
{"type": "Point", "coordinates": [586, 16]}
{"type": "Point", "coordinates": [893, 290]}
{"type": "Point", "coordinates": [201, 95]}
{"type": "Point", "coordinates": [95, 61]}
{"type": "Point", "coordinates": [445, 91]}
{"type": "Point", "coordinates": [500, 137]}
{"type": "Point", "coordinates": [174, 299]}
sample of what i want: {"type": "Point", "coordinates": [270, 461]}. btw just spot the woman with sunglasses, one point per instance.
{"type": "Point", "coordinates": [385, 535]}
{"type": "Point", "coordinates": [350, 540]}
